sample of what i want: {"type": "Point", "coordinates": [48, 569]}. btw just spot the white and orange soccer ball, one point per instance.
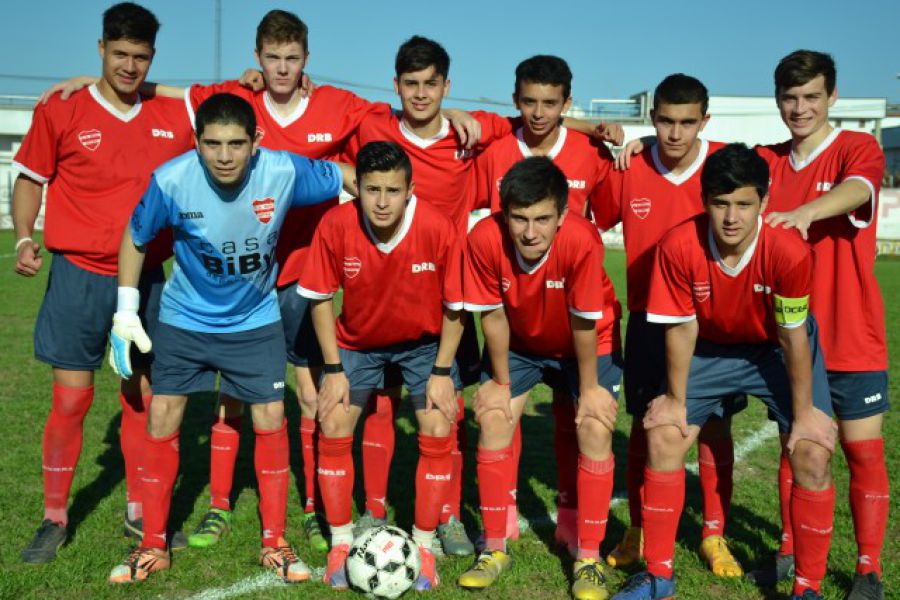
{"type": "Point", "coordinates": [383, 562]}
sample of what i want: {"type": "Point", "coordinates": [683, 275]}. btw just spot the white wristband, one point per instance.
{"type": "Point", "coordinates": [129, 299]}
{"type": "Point", "coordinates": [21, 241]}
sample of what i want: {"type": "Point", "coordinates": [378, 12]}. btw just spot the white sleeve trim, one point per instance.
{"type": "Point", "coordinates": [873, 202]}
{"type": "Point", "coordinates": [480, 307]}
{"type": "Point", "coordinates": [454, 305]}
{"type": "Point", "coordinates": [17, 166]}
{"type": "Point", "coordinates": [189, 107]}
{"type": "Point", "coordinates": [655, 318]}
{"type": "Point", "coordinates": [313, 295]}
{"type": "Point", "coordinates": [594, 316]}
{"type": "Point", "coordinates": [792, 325]}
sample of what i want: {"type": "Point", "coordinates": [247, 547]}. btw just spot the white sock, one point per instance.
{"type": "Point", "coordinates": [422, 538]}
{"type": "Point", "coordinates": [341, 534]}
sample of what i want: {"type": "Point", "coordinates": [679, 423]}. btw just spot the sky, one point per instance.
{"type": "Point", "coordinates": [614, 49]}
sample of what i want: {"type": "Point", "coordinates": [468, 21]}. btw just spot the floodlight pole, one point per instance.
{"type": "Point", "coordinates": [217, 67]}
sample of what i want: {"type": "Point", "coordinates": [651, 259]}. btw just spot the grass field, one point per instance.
{"type": "Point", "coordinates": [230, 569]}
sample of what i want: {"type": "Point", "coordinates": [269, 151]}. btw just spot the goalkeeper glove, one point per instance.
{"type": "Point", "coordinates": [126, 329]}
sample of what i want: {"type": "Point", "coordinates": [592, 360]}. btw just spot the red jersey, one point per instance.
{"type": "Point", "coordinates": [318, 128]}
{"type": "Point", "coordinates": [585, 162]}
{"type": "Point", "coordinates": [393, 292]}
{"type": "Point", "coordinates": [538, 298]}
{"type": "Point", "coordinates": [732, 305]}
{"type": "Point", "coordinates": [97, 162]}
{"type": "Point", "coordinates": [443, 171]}
{"type": "Point", "coordinates": [649, 201]}
{"type": "Point", "coordinates": [846, 298]}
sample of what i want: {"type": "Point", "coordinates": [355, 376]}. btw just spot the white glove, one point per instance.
{"type": "Point", "coordinates": [126, 329]}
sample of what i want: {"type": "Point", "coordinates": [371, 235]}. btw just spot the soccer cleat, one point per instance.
{"type": "Point", "coordinates": [366, 522]}
{"type": "Point", "coordinates": [313, 532]}
{"type": "Point", "coordinates": [284, 561]}
{"type": "Point", "coordinates": [779, 568]}
{"type": "Point", "coordinates": [715, 551]}
{"type": "Point", "coordinates": [47, 540]}
{"type": "Point", "coordinates": [512, 522]}
{"type": "Point", "coordinates": [486, 570]}
{"type": "Point", "coordinates": [134, 529]}
{"type": "Point", "coordinates": [139, 564]}
{"type": "Point", "coordinates": [214, 524]}
{"type": "Point", "coordinates": [336, 567]}
{"type": "Point", "coordinates": [428, 577]}
{"type": "Point", "coordinates": [589, 580]}
{"type": "Point", "coordinates": [645, 586]}
{"type": "Point", "coordinates": [628, 552]}
{"type": "Point", "coordinates": [566, 533]}
{"type": "Point", "coordinates": [866, 587]}
{"type": "Point", "coordinates": [808, 594]}
{"type": "Point", "coordinates": [454, 539]}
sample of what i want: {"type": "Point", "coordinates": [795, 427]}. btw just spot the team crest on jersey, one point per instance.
{"type": "Point", "coordinates": [640, 207]}
{"type": "Point", "coordinates": [90, 139]}
{"type": "Point", "coordinates": [260, 133]}
{"type": "Point", "coordinates": [264, 209]}
{"type": "Point", "coordinates": [505, 284]}
{"type": "Point", "coordinates": [352, 267]}
{"type": "Point", "coordinates": [701, 291]}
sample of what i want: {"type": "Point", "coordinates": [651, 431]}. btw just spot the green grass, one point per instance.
{"type": "Point", "coordinates": [98, 492]}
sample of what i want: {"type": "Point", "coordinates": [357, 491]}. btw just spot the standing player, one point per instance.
{"type": "Point", "coordinates": [388, 235]}
{"type": "Point", "coordinates": [535, 271]}
{"type": "Point", "coordinates": [733, 295]}
{"type": "Point", "coordinates": [825, 183]}
{"type": "Point", "coordinates": [96, 153]}
{"type": "Point", "coordinates": [219, 312]}
{"type": "Point", "coordinates": [660, 189]}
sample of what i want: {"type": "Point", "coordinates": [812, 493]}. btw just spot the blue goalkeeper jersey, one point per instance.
{"type": "Point", "coordinates": [225, 270]}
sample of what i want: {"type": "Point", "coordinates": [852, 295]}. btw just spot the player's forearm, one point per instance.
{"type": "Point", "coordinates": [159, 89]}
{"type": "Point", "coordinates": [681, 339]}
{"type": "Point", "coordinates": [348, 173]}
{"type": "Point", "coordinates": [26, 205]}
{"type": "Point", "coordinates": [323, 322]}
{"type": "Point", "coordinates": [451, 334]}
{"type": "Point", "coordinates": [798, 363]}
{"type": "Point", "coordinates": [584, 339]}
{"type": "Point", "coordinates": [496, 340]}
{"type": "Point", "coordinates": [842, 199]}
{"type": "Point", "coordinates": [585, 127]}
{"type": "Point", "coordinates": [131, 261]}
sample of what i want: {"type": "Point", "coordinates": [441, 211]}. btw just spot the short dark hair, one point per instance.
{"type": "Point", "coordinates": [532, 180]}
{"type": "Point", "coordinates": [382, 157]}
{"type": "Point", "coordinates": [545, 69]}
{"type": "Point", "coordinates": [679, 88]}
{"type": "Point", "coordinates": [282, 27]}
{"type": "Point", "coordinates": [731, 167]}
{"type": "Point", "coordinates": [418, 53]}
{"type": "Point", "coordinates": [130, 21]}
{"type": "Point", "coordinates": [225, 109]}
{"type": "Point", "coordinates": [802, 66]}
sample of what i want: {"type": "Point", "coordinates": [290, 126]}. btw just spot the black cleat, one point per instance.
{"type": "Point", "coordinates": [779, 568]}
{"type": "Point", "coordinates": [866, 587]}
{"type": "Point", "coordinates": [48, 539]}
{"type": "Point", "coordinates": [134, 529]}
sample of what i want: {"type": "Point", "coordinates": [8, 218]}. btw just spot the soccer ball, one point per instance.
{"type": "Point", "coordinates": [383, 562]}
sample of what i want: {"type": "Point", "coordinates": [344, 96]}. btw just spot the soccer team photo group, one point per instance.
{"type": "Point", "coordinates": [346, 334]}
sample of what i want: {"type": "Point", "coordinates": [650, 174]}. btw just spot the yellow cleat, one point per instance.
{"type": "Point", "coordinates": [590, 582]}
{"type": "Point", "coordinates": [486, 570]}
{"type": "Point", "coordinates": [715, 551]}
{"type": "Point", "coordinates": [629, 551]}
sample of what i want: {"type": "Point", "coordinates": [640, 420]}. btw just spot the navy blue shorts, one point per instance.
{"type": "Point", "coordinates": [468, 361]}
{"type": "Point", "coordinates": [365, 369]}
{"type": "Point", "coordinates": [76, 314]}
{"type": "Point", "coordinates": [250, 363]}
{"type": "Point", "coordinates": [300, 342]}
{"type": "Point", "coordinates": [645, 368]}
{"type": "Point", "coordinates": [858, 394]}
{"type": "Point", "coordinates": [721, 370]}
{"type": "Point", "coordinates": [528, 370]}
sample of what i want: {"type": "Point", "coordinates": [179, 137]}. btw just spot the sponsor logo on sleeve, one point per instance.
{"type": "Point", "coordinates": [352, 266]}
{"type": "Point", "coordinates": [505, 284]}
{"type": "Point", "coordinates": [90, 139]}
{"type": "Point", "coordinates": [264, 209]}
{"type": "Point", "coordinates": [701, 291]}
{"type": "Point", "coordinates": [640, 207]}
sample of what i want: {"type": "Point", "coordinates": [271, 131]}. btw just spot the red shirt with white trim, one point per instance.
{"type": "Point", "coordinates": [538, 298]}
{"type": "Point", "coordinates": [393, 292]}
{"type": "Point", "coordinates": [846, 298]}
{"type": "Point", "coordinates": [97, 162]}
{"type": "Point", "coordinates": [732, 305]}
{"type": "Point", "coordinates": [649, 201]}
{"type": "Point", "coordinates": [318, 128]}
{"type": "Point", "coordinates": [585, 162]}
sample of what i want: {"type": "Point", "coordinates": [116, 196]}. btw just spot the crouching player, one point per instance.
{"type": "Point", "coordinates": [399, 263]}
{"type": "Point", "coordinates": [535, 272]}
{"type": "Point", "coordinates": [219, 312]}
{"type": "Point", "coordinates": [734, 297]}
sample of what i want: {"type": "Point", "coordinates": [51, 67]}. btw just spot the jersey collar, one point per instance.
{"type": "Point", "coordinates": [388, 247]}
{"type": "Point", "coordinates": [687, 173]}
{"type": "Point", "coordinates": [531, 269]}
{"type": "Point", "coordinates": [285, 121]}
{"type": "Point", "coordinates": [122, 116]}
{"type": "Point", "coordinates": [425, 142]}
{"type": "Point", "coordinates": [745, 259]}
{"type": "Point", "coordinates": [799, 165]}
{"type": "Point", "coordinates": [554, 151]}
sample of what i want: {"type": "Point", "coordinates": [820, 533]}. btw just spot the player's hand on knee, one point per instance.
{"type": "Point", "coordinates": [667, 410]}
{"type": "Point", "coordinates": [127, 328]}
{"type": "Point", "coordinates": [335, 390]}
{"type": "Point", "coordinates": [28, 257]}
{"type": "Point", "coordinates": [596, 402]}
{"type": "Point", "coordinates": [813, 425]}
{"type": "Point", "coordinates": [493, 396]}
{"type": "Point", "coordinates": [440, 393]}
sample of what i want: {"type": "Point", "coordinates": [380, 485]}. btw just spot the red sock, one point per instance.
{"type": "Point", "coordinates": [565, 446]}
{"type": "Point", "coordinates": [434, 477]}
{"type": "Point", "coordinates": [785, 485]}
{"type": "Point", "coordinates": [335, 469]}
{"type": "Point", "coordinates": [663, 503]}
{"type": "Point", "coordinates": [457, 454]}
{"type": "Point", "coordinates": [869, 499]}
{"type": "Point", "coordinates": [716, 460]}
{"type": "Point", "coordinates": [132, 434]}
{"type": "Point", "coordinates": [493, 488]}
{"type": "Point", "coordinates": [378, 452]}
{"type": "Point", "coordinates": [160, 471]}
{"type": "Point", "coordinates": [309, 434]}
{"type": "Point", "coordinates": [513, 473]}
{"type": "Point", "coordinates": [62, 447]}
{"type": "Point", "coordinates": [637, 463]}
{"type": "Point", "coordinates": [812, 514]}
{"type": "Point", "coordinates": [595, 484]}
{"type": "Point", "coordinates": [223, 450]}
{"type": "Point", "coordinates": [271, 458]}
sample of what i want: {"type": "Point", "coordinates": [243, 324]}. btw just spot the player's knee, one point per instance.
{"type": "Point", "coordinates": [268, 415]}
{"type": "Point", "coordinates": [665, 440]}
{"type": "Point", "coordinates": [494, 425]}
{"type": "Point", "coordinates": [335, 425]}
{"type": "Point", "coordinates": [435, 424]}
{"type": "Point", "coordinates": [594, 439]}
{"type": "Point", "coordinates": [811, 464]}
{"type": "Point", "coordinates": [308, 401]}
